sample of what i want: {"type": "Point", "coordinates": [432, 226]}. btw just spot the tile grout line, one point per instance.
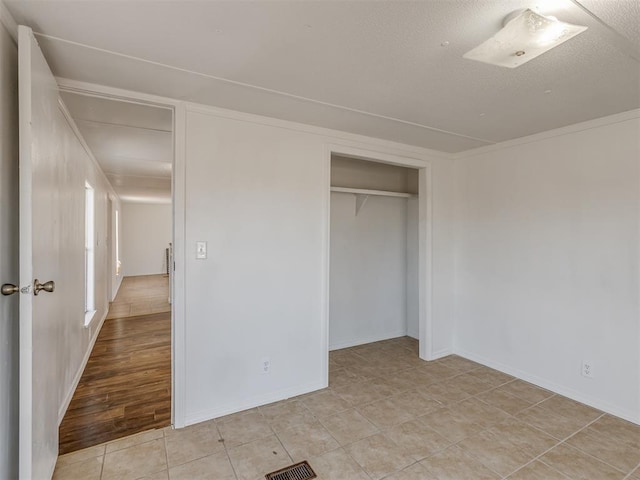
{"type": "Point", "coordinates": [166, 450]}
{"type": "Point", "coordinates": [340, 446]}
{"type": "Point", "coordinates": [226, 450]}
{"type": "Point", "coordinates": [457, 373]}
{"type": "Point", "coordinates": [475, 456]}
{"type": "Point", "coordinates": [379, 432]}
{"type": "Point", "coordinates": [633, 469]}
{"type": "Point", "coordinates": [513, 416]}
{"type": "Point", "coordinates": [104, 459]}
{"type": "Point", "coordinates": [560, 442]}
{"type": "Point", "coordinates": [587, 453]}
{"type": "Point", "coordinates": [278, 437]}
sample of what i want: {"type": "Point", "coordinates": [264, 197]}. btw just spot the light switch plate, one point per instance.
{"type": "Point", "coordinates": [201, 250]}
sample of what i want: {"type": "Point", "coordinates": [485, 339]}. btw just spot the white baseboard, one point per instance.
{"type": "Point", "coordinates": [441, 354]}
{"type": "Point", "coordinates": [362, 340]}
{"type": "Point", "coordinates": [222, 410]}
{"type": "Point", "coordinates": [80, 371]}
{"type": "Point", "coordinates": [625, 414]}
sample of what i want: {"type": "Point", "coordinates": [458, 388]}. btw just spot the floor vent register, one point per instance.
{"type": "Point", "coordinates": [299, 471]}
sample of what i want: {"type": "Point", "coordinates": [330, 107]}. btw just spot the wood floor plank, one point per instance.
{"type": "Point", "coordinates": [126, 385]}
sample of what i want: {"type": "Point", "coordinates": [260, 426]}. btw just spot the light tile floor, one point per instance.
{"type": "Point", "coordinates": [387, 414]}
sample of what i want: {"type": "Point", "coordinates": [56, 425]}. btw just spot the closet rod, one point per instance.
{"type": "Point", "coordinates": [363, 191]}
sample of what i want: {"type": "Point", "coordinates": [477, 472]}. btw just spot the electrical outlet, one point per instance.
{"type": "Point", "coordinates": [265, 365]}
{"type": "Point", "coordinates": [587, 369]}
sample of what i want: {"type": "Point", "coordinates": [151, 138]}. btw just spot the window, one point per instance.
{"type": "Point", "coordinates": [117, 229]}
{"type": "Point", "coordinates": [89, 254]}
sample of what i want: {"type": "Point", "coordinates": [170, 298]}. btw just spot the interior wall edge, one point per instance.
{"type": "Point", "coordinates": [117, 289]}
{"type": "Point", "coordinates": [445, 352]}
{"type": "Point", "coordinates": [556, 132]}
{"type": "Point", "coordinates": [178, 293]}
{"type": "Point", "coordinates": [72, 124]}
{"type": "Point", "coordinates": [363, 341]}
{"type": "Point", "coordinates": [9, 22]}
{"type": "Point", "coordinates": [76, 379]}
{"type": "Point", "coordinates": [9, 246]}
{"type": "Point", "coordinates": [204, 415]}
{"type": "Point", "coordinates": [606, 407]}
{"type": "Point", "coordinates": [374, 144]}
{"type": "Point", "coordinates": [114, 93]}
{"type": "Point", "coordinates": [75, 86]}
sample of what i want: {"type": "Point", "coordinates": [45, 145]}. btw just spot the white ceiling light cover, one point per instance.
{"type": "Point", "coordinates": [523, 38]}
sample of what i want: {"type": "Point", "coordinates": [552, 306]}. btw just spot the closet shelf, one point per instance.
{"type": "Point", "coordinates": [363, 191]}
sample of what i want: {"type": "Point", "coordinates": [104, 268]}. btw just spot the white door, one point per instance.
{"type": "Point", "coordinates": [40, 174]}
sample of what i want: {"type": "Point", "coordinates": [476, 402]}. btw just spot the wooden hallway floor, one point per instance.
{"type": "Point", "coordinates": [126, 385]}
{"type": "Point", "coordinates": [141, 295]}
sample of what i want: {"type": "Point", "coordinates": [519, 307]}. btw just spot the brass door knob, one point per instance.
{"type": "Point", "coordinates": [9, 289]}
{"type": "Point", "coordinates": [49, 286]}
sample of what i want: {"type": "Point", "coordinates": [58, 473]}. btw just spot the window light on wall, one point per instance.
{"type": "Point", "coordinates": [89, 255]}
{"type": "Point", "coordinates": [118, 265]}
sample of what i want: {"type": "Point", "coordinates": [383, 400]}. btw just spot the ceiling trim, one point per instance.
{"type": "Point", "coordinates": [145, 201]}
{"type": "Point", "coordinates": [76, 131]}
{"type": "Point", "coordinates": [557, 132]}
{"type": "Point", "coordinates": [111, 124]}
{"type": "Point", "coordinates": [111, 93]}
{"type": "Point", "coordinates": [621, 42]}
{"type": "Point", "coordinates": [369, 155]}
{"type": "Point", "coordinates": [314, 130]}
{"type": "Point", "coordinates": [126, 175]}
{"type": "Point", "coordinates": [93, 89]}
{"type": "Point", "coordinates": [269, 90]}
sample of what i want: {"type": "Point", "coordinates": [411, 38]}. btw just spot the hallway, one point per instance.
{"type": "Point", "coordinates": [126, 385]}
{"type": "Point", "coordinates": [141, 295]}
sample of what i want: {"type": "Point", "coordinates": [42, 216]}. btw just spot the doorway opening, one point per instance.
{"type": "Point", "coordinates": [126, 386]}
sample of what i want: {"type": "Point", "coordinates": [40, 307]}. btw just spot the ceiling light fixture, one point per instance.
{"type": "Point", "coordinates": [524, 36]}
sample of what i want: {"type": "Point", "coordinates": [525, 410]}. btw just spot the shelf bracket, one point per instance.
{"type": "Point", "coordinates": [360, 201]}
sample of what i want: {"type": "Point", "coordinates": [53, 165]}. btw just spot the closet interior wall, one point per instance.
{"type": "Point", "coordinates": [374, 252]}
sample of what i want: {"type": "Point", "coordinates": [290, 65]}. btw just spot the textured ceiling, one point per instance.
{"type": "Point", "coordinates": [623, 16]}
{"type": "Point", "coordinates": [374, 68]}
{"type": "Point", "coordinates": [132, 143]}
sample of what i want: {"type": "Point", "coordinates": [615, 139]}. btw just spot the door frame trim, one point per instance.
{"type": "Point", "coordinates": [425, 239]}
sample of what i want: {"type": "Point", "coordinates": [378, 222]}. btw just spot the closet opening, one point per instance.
{"type": "Point", "coordinates": [377, 273]}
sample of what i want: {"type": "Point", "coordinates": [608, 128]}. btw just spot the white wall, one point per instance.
{"type": "Point", "coordinates": [368, 270]}
{"type": "Point", "coordinates": [443, 297]}
{"type": "Point", "coordinates": [257, 192]}
{"type": "Point", "coordinates": [73, 340]}
{"type": "Point", "coordinates": [146, 233]}
{"type": "Point", "coordinates": [547, 260]}
{"type": "Point", "coordinates": [8, 254]}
